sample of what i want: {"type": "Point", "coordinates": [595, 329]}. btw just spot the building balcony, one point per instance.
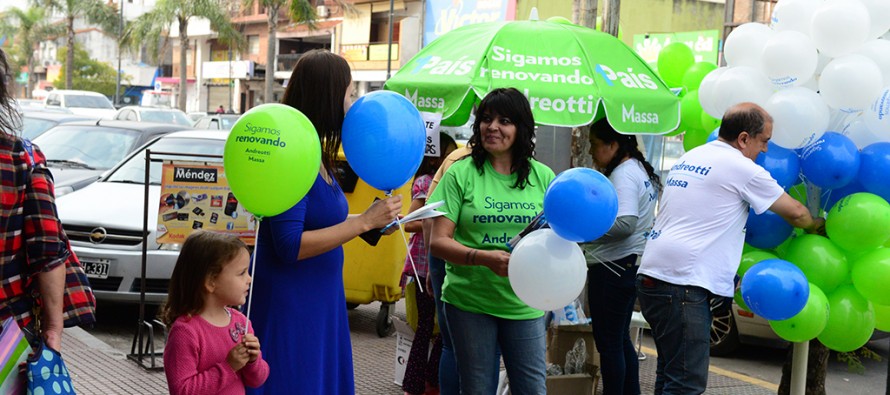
{"type": "Point", "coordinates": [371, 52]}
{"type": "Point", "coordinates": [285, 62]}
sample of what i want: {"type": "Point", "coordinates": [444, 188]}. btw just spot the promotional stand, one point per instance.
{"type": "Point", "coordinates": [143, 350]}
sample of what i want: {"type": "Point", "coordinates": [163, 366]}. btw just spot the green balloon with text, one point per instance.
{"type": "Point", "coordinates": [271, 158]}
{"type": "Point", "coordinates": [859, 222]}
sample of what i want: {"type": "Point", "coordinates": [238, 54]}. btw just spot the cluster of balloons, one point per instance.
{"type": "Point", "coordinates": [819, 66]}
{"type": "Point", "coordinates": [847, 274]}
{"type": "Point", "coordinates": [272, 155]}
{"type": "Point", "coordinates": [547, 268]}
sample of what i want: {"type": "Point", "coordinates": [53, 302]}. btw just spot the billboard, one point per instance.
{"type": "Point", "coordinates": [705, 45]}
{"type": "Point", "coordinates": [443, 16]}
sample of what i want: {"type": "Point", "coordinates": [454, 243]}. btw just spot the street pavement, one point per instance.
{"type": "Point", "coordinates": [98, 368]}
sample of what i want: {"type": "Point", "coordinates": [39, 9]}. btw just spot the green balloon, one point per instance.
{"type": "Point", "coordinates": [851, 320]}
{"type": "Point", "coordinates": [271, 158]}
{"type": "Point", "coordinates": [752, 258]}
{"type": "Point", "coordinates": [871, 276]}
{"type": "Point", "coordinates": [708, 122]}
{"type": "Point", "coordinates": [799, 193]}
{"type": "Point", "coordinates": [690, 112]}
{"type": "Point", "coordinates": [820, 260]}
{"type": "Point", "coordinates": [673, 61]}
{"type": "Point", "coordinates": [807, 324]}
{"type": "Point", "coordinates": [694, 138]}
{"type": "Point", "coordinates": [882, 317]}
{"type": "Point", "coordinates": [859, 222]}
{"type": "Point", "coordinates": [697, 72]}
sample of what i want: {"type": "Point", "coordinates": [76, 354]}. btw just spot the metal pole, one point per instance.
{"type": "Point", "coordinates": [120, 35]}
{"type": "Point", "coordinates": [799, 368]}
{"type": "Point", "coordinates": [389, 46]}
{"type": "Point", "coordinates": [231, 99]}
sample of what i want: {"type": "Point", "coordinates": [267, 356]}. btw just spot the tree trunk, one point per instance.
{"type": "Point", "coordinates": [272, 14]}
{"type": "Point", "coordinates": [183, 63]}
{"type": "Point", "coordinates": [69, 57]}
{"type": "Point", "coordinates": [576, 11]}
{"type": "Point", "coordinates": [817, 368]}
{"type": "Point", "coordinates": [29, 86]}
{"type": "Point", "coordinates": [611, 16]}
{"type": "Point", "coordinates": [589, 12]}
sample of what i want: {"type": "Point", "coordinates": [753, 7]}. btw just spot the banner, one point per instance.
{"type": "Point", "coordinates": [196, 195]}
{"type": "Point", "coordinates": [443, 16]}
{"type": "Point", "coordinates": [432, 121]}
{"type": "Point", "coordinates": [704, 44]}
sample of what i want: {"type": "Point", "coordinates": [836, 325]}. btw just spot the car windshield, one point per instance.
{"type": "Point", "coordinates": [89, 145]}
{"type": "Point", "coordinates": [133, 170]}
{"type": "Point", "coordinates": [85, 101]}
{"type": "Point", "coordinates": [33, 127]}
{"type": "Point", "coordinates": [174, 117]}
{"type": "Point", "coordinates": [227, 121]}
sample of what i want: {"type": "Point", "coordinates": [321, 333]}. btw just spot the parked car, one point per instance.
{"type": "Point", "coordinates": [77, 153]}
{"type": "Point", "coordinates": [217, 121]}
{"type": "Point", "coordinates": [80, 102]}
{"type": "Point", "coordinates": [105, 220]}
{"type": "Point", "coordinates": [34, 123]}
{"type": "Point", "coordinates": [153, 114]}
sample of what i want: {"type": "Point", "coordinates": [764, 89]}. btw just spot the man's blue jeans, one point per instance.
{"type": "Point", "coordinates": [449, 381]}
{"type": "Point", "coordinates": [680, 317]}
{"type": "Point", "coordinates": [476, 338]}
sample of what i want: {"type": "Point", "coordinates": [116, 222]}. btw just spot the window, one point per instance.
{"type": "Point", "coordinates": [253, 44]}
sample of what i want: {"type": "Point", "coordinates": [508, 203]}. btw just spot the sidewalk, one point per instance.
{"type": "Point", "coordinates": [97, 368]}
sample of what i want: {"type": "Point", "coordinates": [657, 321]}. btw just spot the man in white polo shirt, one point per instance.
{"type": "Point", "coordinates": [695, 246]}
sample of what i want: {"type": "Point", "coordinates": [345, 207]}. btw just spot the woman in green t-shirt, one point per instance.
{"type": "Point", "coordinates": [490, 196]}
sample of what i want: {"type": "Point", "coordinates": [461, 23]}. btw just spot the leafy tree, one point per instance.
{"type": "Point", "coordinates": [88, 74]}
{"type": "Point", "coordinates": [299, 11]}
{"type": "Point", "coordinates": [27, 28]}
{"type": "Point", "coordinates": [96, 12]}
{"type": "Point", "coordinates": [152, 30]}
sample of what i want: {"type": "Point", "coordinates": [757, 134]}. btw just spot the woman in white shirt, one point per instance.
{"type": "Point", "coordinates": [612, 259]}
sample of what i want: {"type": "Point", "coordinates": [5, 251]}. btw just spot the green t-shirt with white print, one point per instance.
{"type": "Point", "coordinates": [488, 212]}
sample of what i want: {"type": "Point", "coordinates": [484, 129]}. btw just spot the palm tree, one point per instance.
{"type": "Point", "coordinates": [299, 11]}
{"type": "Point", "coordinates": [95, 12]}
{"type": "Point", "coordinates": [28, 28]}
{"type": "Point", "coordinates": [152, 30]}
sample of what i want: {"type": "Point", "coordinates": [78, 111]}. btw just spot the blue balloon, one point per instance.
{"type": "Point", "coordinates": [766, 230]}
{"type": "Point", "coordinates": [714, 135]}
{"type": "Point", "coordinates": [775, 289]}
{"type": "Point", "coordinates": [580, 204]}
{"type": "Point", "coordinates": [781, 163]}
{"type": "Point", "coordinates": [831, 162]}
{"type": "Point", "coordinates": [873, 168]}
{"type": "Point", "coordinates": [832, 196]}
{"type": "Point", "coordinates": [384, 138]}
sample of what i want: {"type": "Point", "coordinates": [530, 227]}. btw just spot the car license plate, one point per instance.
{"type": "Point", "coordinates": [96, 268]}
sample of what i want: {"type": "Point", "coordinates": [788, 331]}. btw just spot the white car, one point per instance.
{"type": "Point", "coordinates": [80, 102]}
{"type": "Point", "coordinates": [105, 220]}
{"type": "Point", "coordinates": [153, 114]}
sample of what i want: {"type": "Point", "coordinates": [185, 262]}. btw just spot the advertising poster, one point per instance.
{"type": "Point", "coordinates": [432, 120]}
{"type": "Point", "coordinates": [196, 195]}
{"type": "Point", "coordinates": [443, 16]}
{"type": "Point", "coordinates": [704, 44]}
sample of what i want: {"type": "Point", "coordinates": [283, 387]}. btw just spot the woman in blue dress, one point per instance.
{"type": "Point", "coordinates": [299, 306]}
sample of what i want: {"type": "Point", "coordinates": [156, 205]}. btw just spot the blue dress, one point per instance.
{"type": "Point", "coordinates": [299, 306]}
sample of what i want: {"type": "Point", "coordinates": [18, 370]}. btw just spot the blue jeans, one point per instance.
{"type": "Point", "coordinates": [680, 317]}
{"type": "Point", "coordinates": [449, 381]}
{"type": "Point", "coordinates": [611, 300]}
{"type": "Point", "coordinates": [476, 338]}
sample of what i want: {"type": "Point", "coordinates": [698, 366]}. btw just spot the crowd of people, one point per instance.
{"type": "Point", "coordinates": [297, 338]}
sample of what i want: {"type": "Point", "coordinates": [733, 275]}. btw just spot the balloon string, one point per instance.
{"type": "Point", "coordinates": [256, 247]}
{"type": "Point", "coordinates": [407, 246]}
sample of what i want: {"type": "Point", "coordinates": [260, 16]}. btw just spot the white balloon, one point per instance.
{"type": "Point", "coordinates": [789, 58]}
{"type": "Point", "coordinates": [794, 15]}
{"type": "Point", "coordinates": [741, 84]}
{"type": "Point", "coordinates": [800, 117]}
{"type": "Point", "coordinates": [546, 271]}
{"type": "Point", "coordinates": [878, 50]}
{"type": "Point", "coordinates": [850, 83]}
{"type": "Point", "coordinates": [879, 10]}
{"type": "Point", "coordinates": [707, 95]}
{"type": "Point", "coordinates": [823, 61]}
{"type": "Point", "coordinates": [744, 45]}
{"type": "Point", "coordinates": [857, 131]}
{"type": "Point", "coordinates": [877, 116]}
{"type": "Point", "coordinates": [840, 27]}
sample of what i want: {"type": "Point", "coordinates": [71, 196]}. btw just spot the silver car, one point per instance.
{"type": "Point", "coordinates": [105, 220]}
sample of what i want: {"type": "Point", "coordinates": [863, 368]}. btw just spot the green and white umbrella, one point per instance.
{"type": "Point", "coordinates": [568, 72]}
